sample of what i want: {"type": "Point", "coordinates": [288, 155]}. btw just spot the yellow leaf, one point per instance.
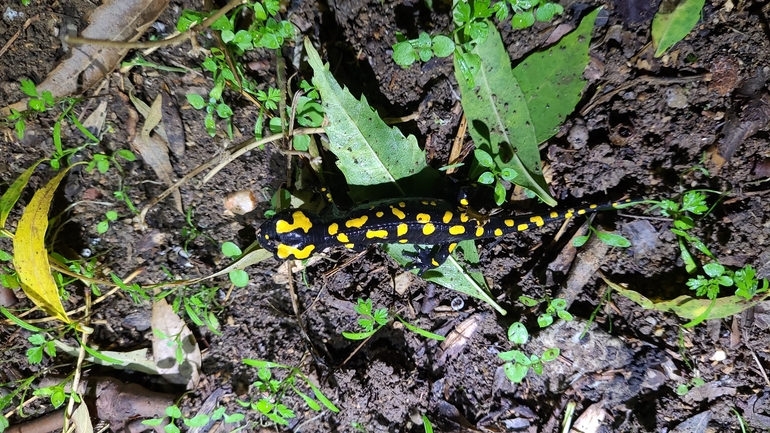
{"type": "Point", "coordinates": [30, 257]}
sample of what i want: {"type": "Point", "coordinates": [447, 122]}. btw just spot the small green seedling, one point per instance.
{"type": "Point", "coordinates": [103, 162]}
{"type": "Point", "coordinates": [407, 51]}
{"type": "Point", "coordinates": [56, 394]}
{"type": "Point", "coordinates": [272, 391]}
{"type": "Point", "coordinates": [556, 307]}
{"type": "Point", "coordinates": [494, 175]}
{"type": "Point", "coordinates": [373, 321]}
{"type": "Point", "coordinates": [517, 362]}
{"type": "Point", "coordinates": [174, 413]}
{"type": "Point", "coordinates": [40, 345]}
{"type": "Point", "coordinates": [238, 277]}
{"type": "Point", "coordinates": [104, 225]}
{"type": "Point", "coordinates": [122, 195]}
{"type": "Point", "coordinates": [191, 231]}
{"type": "Point", "coordinates": [684, 388]}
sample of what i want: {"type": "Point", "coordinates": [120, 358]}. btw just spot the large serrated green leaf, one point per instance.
{"type": "Point", "coordinates": [450, 274]}
{"type": "Point", "coordinates": [671, 26]}
{"type": "Point", "coordinates": [551, 80]}
{"type": "Point", "coordinates": [498, 117]}
{"type": "Point", "coordinates": [377, 160]}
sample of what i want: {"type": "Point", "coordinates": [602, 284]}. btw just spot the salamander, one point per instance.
{"type": "Point", "coordinates": [297, 233]}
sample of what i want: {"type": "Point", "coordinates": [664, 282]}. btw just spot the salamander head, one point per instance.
{"type": "Point", "coordinates": [288, 234]}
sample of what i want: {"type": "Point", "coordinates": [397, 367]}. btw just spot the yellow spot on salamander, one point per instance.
{"type": "Point", "coordinates": [538, 220]}
{"type": "Point", "coordinates": [286, 251]}
{"type": "Point", "coordinates": [569, 214]}
{"type": "Point", "coordinates": [402, 229]}
{"type": "Point", "coordinates": [581, 211]}
{"type": "Point", "coordinates": [428, 229]}
{"type": "Point", "coordinates": [522, 227]}
{"type": "Point", "coordinates": [593, 206]}
{"type": "Point", "coordinates": [456, 230]}
{"type": "Point", "coordinates": [301, 221]}
{"type": "Point", "coordinates": [379, 234]}
{"type": "Point", "coordinates": [434, 262]}
{"type": "Point", "coordinates": [447, 217]}
{"type": "Point", "coordinates": [425, 202]}
{"type": "Point", "coordinates": [403, 241]}
{"type": "Point", "coordinates": [554, 215]}
{"type": "Point", "coordinates": [509, 223]}
{"type": "Point", "coordinates": [498, 232]}
{"type": "Point", "coordinates": [433, 203]}
{"type": "Point", "coordinates": [380, 214]}
{"type": "Point", "coordinates": [342, 237]}
{"type": "Point", "coordinates": [423, 218]}
{"type": "Point", "coordinates": [401, 204]}
{"type": "Point", "coordinates": [398, 213]}
{"type": "Point", "coordinates": [452, 247]}
{"type": "Point", "coordinates": [357, 222]}
{"type": "Point", "coordinates": [334, 228]}
{"type": "Point", "coordinates": [464, 201]}
{"type": "Point", "coordinates": [479, 231]}
{"type": "Point", "coordinates": [464, 217]}
{"type": "Point", "coordinates": [349, 246]}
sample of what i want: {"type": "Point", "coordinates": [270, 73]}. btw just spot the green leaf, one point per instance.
{"type": "Point", "coordinates": [484, 159]}
{"type": "Point", "coordinates": [358, 335]}
{"type": "Point", "coordinates": [442, 46]}
{"type": "Point", "coordinates": [579, 241]}
{"type": "Point", "coordinates": [126, 154]}
{"type": "Point", "coordinates": [498, 117]}
{"type": "Point", "coordinates": [29, 88]}
{"type": "Point", "coordinates": [229, 249]}
{"type": "Point", "coordinates": [544, 320]}
{"type": "Point", "coordinates": [671, 26]}
{"type": "Point", "coordinates": [196, 100]}
{"type": "Point", "coordinates": [612, 239]}
{"type": "Point", "coordinates": [527, 301]}
{"type": "Point", "coordinates": [58, 397]}
{"type": "Point", "coordinates": [102, 227]}
{"type": "Point", "coordinates": [713, 269]}
{"type": "Point", "coordinates": [199, 420]}
{"type": "Point", "coordinates": [420, 331]}
{"type": "Point", "coordinates": [377, 160]}
{"type": "Point", "coordinates": [224, 111]}
{"type": "Point", "coordinates": [173, 411]}
{"type": "Point", "coordinates": [404, 54]}
{"type": "Point", "coordinates": [153, 422]}
{"type": "Point", "coordinates": [515, 372]}
{"type": "Point", "coordinates": [517, 333]}
{"type": "Point", "coordinates": [551, 80]}
{"type": "Point", "coordinates": [450, 274]}
{"type": "Point", "coordinates": [522, 20]}
{"type": "Point", "coordinates": [239, 277]}
{"type": "Point", "coordinates": [487, 178]}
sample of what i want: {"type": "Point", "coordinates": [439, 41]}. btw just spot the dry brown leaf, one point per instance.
{"type": "Point", "coordinates": [115, 20]}
{"type": "Point", "coordinates": [154, 150]}
{"type": "Point", "coordinates": [82, 419]}
{"type": "Point", "coordinates": [173, 342]}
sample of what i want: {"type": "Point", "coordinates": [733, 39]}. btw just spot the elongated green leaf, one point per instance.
{"type": "Point", "coordinates": [377, 160]}
{"type": "Point", "coordinates": [498, 117]}
{"type": "Point", "coordinates": [11, 196]}
{"type": "Point", "coordinates": [671, 26]}
{"type": "Point", "coordinates": [450, 274]}
{"type": "Point", "coordinates": [552, 80]}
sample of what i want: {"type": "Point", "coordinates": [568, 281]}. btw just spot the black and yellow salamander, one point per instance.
{"type": "Point", "coordinates": [297, 234]}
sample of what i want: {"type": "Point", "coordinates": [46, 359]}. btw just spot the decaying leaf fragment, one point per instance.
{"type": "Point", "coordinates": [154, 150]}
{"type": "Point", "coordinates": [174, 347]}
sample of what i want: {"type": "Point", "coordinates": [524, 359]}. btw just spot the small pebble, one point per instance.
{"type": "Point", "coordinates": [718, 356]}
{"type": "Point", "coordinates": [578, 135]}
{"type": "Point", "coordinates": [675, 97]}
{"type": "Point", "coordinates": [241, 202]}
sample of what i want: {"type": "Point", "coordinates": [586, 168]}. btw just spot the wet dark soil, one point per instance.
{"type": "Point", "coordinates": [653, 128]}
